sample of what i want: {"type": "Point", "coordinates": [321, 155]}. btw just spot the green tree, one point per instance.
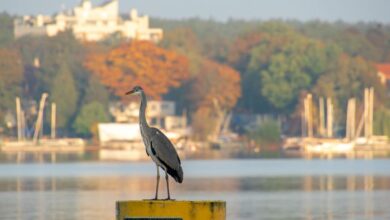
{"type": "Point", "coordinates": [96, 92]}
{"type": "Point", "coordinates": [182, 40]}
{"type": "Point", "coordinates": [51, 52]}
{"type": "Point", "coordinates": [11, 75]}
{"type": "Point", "coordinates": [63, 92]}
{"type": "Point", "coordinates": [267, 133]}
{"type": "Point", "coordinates": [382, 122]}
{"type": "Point", "coordinates": [96, 101]}
{"type": "Point", "coordinates": [346, 78]}
{"type": "Point", "coordinates": [60, 72]}
{"type": "Point", "coordinates": [353, 42]}
{"type": "Point", "coordinates": [6, 29]}
{"type": "Point", "coordinates": [279, 67]}
{"type": "Point", "coordinates": [90, 115]}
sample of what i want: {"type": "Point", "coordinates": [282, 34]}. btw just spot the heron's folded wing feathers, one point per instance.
{"type": "Point", "coordinates": [164, 149]}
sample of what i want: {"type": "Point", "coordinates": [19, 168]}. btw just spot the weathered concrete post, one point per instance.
{"type": "Point", "coordinates": [170, 210]}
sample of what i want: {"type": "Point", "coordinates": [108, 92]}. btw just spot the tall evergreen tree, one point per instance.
{"type": "Point", "coordinates": [64, 93]}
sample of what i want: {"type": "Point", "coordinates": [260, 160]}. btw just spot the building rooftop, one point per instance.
{"type": "Point", "coordinates": [384, 68]}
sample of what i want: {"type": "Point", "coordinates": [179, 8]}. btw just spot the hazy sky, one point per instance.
{"type": "Point", "coordinates": [330, 10]}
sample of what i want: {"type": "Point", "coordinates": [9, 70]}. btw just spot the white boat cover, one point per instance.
{"type": "Point", "coordinates": [119, 132]}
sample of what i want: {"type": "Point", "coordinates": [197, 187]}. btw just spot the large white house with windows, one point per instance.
{"type": "Point", "coordinates": [90, 23]}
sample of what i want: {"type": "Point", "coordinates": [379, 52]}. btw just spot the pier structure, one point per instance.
{"type": "Point", "coordinates": [170, 210]}
{"type": "Point", "coordinates": [39, 147]}
{"type": "Point", "coordinates": [359, 140]}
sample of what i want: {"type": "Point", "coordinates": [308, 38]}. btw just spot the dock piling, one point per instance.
{"type": "Point", "coordinates": [170, 209]}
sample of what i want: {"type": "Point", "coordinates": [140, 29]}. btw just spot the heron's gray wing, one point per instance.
{"type": "Point", "coordinates": [164, 149]}
{"type": "Point", "coordinates": [165, 152]}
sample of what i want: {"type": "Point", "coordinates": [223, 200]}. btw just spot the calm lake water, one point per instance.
{"type": "Point", "coordinates": [253, 189]}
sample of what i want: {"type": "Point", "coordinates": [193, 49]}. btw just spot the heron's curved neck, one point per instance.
{"type": "Point", "coordinates": [142, 109]}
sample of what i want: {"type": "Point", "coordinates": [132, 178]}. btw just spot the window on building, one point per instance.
{"type": "Point", "coordinates": [165, 106]}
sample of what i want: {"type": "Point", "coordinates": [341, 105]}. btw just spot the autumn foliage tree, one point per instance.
{"type": "Point", "coordinates": [139, 63]}
{"type": "Point", "coordinates": [216, 83]}
{"type": "Point", "coordinates": [239, 53]}
{"type": "Point", "coordinates": [215, 90]}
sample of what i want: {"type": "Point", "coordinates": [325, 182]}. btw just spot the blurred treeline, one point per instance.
{"type": "Point", "coordinates": [209, 68]}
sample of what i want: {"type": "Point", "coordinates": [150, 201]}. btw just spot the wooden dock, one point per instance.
{"type": "Point", "coordinates": [45, 148]}
{"type": "Point", "coordinates": [42, 149]}
{"type": "Point", "coordinates": [67, 145]}
{"type": "Point", "coordinates": [328, 148]}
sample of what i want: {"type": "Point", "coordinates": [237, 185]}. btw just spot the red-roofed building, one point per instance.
{"type": "Point", "coordinates": [383, 72]}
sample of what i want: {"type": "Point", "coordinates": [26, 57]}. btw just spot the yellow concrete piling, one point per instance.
{"type": "Point", "coordinates": [170, 210]}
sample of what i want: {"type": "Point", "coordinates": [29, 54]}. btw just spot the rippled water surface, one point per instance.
{"type": "Point", "coordinates": [253, 189]}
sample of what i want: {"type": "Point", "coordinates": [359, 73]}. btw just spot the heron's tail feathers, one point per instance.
{"type": "Point", "coordinates": [176, 173]}
{"type": "Point", "coordinates": [179, 177]}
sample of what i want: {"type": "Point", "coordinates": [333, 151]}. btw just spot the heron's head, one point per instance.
{"type": "Point", "coordinates": [135, 90]}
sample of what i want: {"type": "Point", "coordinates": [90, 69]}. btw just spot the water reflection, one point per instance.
{"type": "Point", "coordinates": [139, 184]}
{"type": "Point", "coordinates": [23, 157]}
{"type": "Point", "coordinates": [308, 197]}
{"type": "Point", "coordinates": [76, 195]}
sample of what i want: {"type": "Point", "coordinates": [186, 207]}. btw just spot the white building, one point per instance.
{"type": "Point", "coordinates": [90, 23]}
{"type": "Point", "coordinates": [121, 140]}
{"type": "Point", "coordinates": [160, 114]}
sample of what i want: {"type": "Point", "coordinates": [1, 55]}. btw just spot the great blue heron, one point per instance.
{"type": "Point", "coordinates": [158, 146]}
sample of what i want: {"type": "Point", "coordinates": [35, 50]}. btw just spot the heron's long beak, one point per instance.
{"type": "Point", "coordinates": [130, 92]}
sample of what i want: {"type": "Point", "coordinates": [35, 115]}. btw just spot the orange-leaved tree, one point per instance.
{"type": "Point", "coordinates": [240, 49]}
{"type": "Point", "coordinates": [139, 63]}
{"type": "Point", "coordinates": [215, 91]}
{"type": "Point", "coordinates": [216, 83]}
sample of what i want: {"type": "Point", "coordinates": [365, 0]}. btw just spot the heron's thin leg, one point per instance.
{"type": "Point", "coordinates": [166, 179]}
{"type": "Point", "coordinates": [158, 181]}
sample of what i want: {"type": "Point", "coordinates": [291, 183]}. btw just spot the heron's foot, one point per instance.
{"type": "Point", "coordinates": [169, 199]}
